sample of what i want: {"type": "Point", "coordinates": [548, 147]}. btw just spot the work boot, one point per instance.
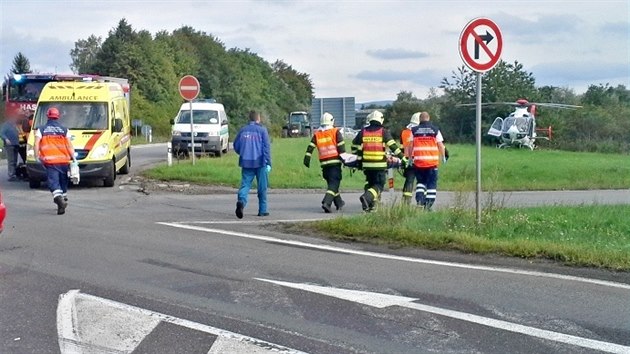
{"type": "Point", "coordinates": [365, 203]}
{"type": "Point", "coordinates": [327, 203]}
{"type": "Point", "coordinates": [406, 200]}
{"type": "Point", "coordinates": [61, 205]}
{"type": "Point", "coordinates": [339, 203]}
{"type": "Point", "coordinates": [428, 205]}
{"type": "Point", "coordinates": [239, 210]}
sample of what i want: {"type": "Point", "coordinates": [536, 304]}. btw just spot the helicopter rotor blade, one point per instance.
{"type": "Point", "coordinates": [558, 105]}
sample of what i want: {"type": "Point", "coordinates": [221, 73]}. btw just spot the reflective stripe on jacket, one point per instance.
{"type": "Point", "coordinates": [53, 146]}
{"type": "Point", "coordinates": [426, 153]}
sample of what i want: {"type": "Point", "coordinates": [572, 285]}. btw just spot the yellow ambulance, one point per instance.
{"type": "Point", "coordinates": [97, 116]}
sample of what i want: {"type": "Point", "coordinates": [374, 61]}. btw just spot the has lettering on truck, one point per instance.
{"type": "Point", "coordinates": [97, 117]}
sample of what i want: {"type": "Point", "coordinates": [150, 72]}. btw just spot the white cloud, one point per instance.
{"type": "Point", "coordinates": [396, 54]}
{"type": "Point", "coordinates": [344, 44]}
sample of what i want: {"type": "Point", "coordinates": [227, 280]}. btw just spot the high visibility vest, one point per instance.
{"type": "Point", "coordinates": [425, 148]}
{"type": "Point", "coordinates": [53, 146]}
{"type": "Point", "coordinates": [326, 141]}
{"type": "Point", "coordinates": [373, 149]}
{"type": "Point", "coordinates": [406, 138]}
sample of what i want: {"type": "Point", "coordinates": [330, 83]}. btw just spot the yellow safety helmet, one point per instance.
{"type": "Point", "coordinates": [327, 119]}
{"type": "Point", "coordinates": [375, 116]}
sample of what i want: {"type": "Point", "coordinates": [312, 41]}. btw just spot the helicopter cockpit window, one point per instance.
{"type": "Point", "coordinates": [509, 121]}
{"type": "Point", "coordinates": [521, 124]}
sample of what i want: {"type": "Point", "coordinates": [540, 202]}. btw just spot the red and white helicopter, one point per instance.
{"type": "Point", "coordinates": [519, 128]}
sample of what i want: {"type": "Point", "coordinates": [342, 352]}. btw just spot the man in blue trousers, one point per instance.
{"type": "Point", "coordinates": [254, 150]}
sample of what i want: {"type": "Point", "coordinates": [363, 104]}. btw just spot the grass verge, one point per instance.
{"type": "Point", "coordinates": [595, 236]}
{"type": "Point", "coordinates": [508, 170]}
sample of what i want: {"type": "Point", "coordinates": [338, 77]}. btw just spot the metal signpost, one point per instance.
{"type": "Point", "coordinates": [189, 90]}
{"type": "Point", "coordinates": [480, 33]}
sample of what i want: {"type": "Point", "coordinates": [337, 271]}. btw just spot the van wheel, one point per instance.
{"type": "Point", "coordinates": [125, 169]}
{"type": "Point", "coordinates": [227, 148]}
{"type": "Point", "coordinates": [34, 184]}
{"type": "Point", "coordinates": [111, 175]}
{"type": "Point", "coordinates": [218, 153]}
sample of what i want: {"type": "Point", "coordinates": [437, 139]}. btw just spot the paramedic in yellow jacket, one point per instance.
{"type": "Point", "coordinates": [329, 143]}
{"type": "Point", "coordinates": [371, 144]}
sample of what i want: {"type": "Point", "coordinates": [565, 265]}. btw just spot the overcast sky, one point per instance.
{"type": "Point", "coordinates": [367, 49]}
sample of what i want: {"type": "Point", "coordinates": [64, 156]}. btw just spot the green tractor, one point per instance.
{"type": "Point", "coordinates": [298, 124]}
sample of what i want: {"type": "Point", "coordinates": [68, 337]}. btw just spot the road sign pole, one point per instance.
{"type": "Point", "coordinates": [478, 143]}
{"type": "Point", "coordinates": [192, 134]}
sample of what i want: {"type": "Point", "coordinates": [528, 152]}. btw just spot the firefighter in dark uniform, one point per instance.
{"type": "Point", "coordinates": [370, 145]}
{"type": "Point", "coordinates": [428, 151]}
{"type": "Point", "coordinates": [406, 140]}
{"type": "Point", "coordinates": [330, 145]}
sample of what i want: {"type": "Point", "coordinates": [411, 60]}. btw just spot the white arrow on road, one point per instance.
{"type": "Point", "coordinates": [379, 300]}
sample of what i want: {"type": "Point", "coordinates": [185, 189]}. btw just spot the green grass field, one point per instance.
{"type": "Point", "coordinates": [597, 236]}
{"type": "Point", "coordinates": [509, 170]}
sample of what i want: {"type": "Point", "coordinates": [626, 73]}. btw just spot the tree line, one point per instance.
{"type": "Point", "coordinates": [602, 125]}
{"type": "Point", "coordinates": [238, 78]}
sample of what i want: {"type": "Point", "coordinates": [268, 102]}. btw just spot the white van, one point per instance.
{"type": "Point", "coordinates": [211, 133]}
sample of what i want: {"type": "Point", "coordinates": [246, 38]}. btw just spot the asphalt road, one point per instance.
{"type": "Point", "coordinates": [126, 272]}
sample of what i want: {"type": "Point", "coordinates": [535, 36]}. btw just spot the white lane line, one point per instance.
{"type": "Point", "coordinates": [379, 300]}
{"type": "Point", "coordinates": [606, 283]}
{"type": "Point", "coordinates": [263, 221]}
{"type": "Point", "coordinates": [68, 325]}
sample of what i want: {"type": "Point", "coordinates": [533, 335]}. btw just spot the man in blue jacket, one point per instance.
{"type": "Point", "coordinates": [254, 150]}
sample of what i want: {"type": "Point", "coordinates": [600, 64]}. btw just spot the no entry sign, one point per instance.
{"type": "Point", "coordinates": [188, 87]}
{"type": "Point", "coordinates": [480, 44]}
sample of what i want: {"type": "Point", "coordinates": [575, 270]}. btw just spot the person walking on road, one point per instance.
{"type": "Point", "coordinates": [54, 150]}
{"type": "Point", "coordinates": [428, 151]}
{"type": "Point", "coordinates": [406, 140]}
{"type": "Point", "coordinates": [370, 145]}
{"type": "Point", "coordinates": [330, 145]}
{"type": "Point", "coordinates": [10, 136]}
{"type": "Point", "coordinates": [254, 150]}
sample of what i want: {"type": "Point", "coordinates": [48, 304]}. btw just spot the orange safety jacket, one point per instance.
{"type": "Point", "coordinates": [53, 146]}
{"type": "Point", "coordinates": [373, 149]}
{"type": "Point", "coordinates": [327, 144]}
{"type": "Point", "coordinates": [425, 148]}
{"type": "Point", "coordinates": [406, 139]}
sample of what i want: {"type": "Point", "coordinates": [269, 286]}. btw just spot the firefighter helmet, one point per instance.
{"type": "Point", "coordinates": [415, 119]}
{"type": "Point", "coordinates": [327, 119]}
{"type": "Point", "coordinates": [53, 113]}
{"type": "Point", "coordinates": [375, 116]}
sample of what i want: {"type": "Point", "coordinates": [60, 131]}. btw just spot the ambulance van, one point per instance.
{"type": "Point", "coordinates": [97, 116]}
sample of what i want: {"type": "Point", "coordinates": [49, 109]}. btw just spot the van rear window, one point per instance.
{"type": "Point", "coordinates": [199, 117]}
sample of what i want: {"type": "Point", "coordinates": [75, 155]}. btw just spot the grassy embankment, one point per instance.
{"type": "Point", "coordinates": [508, 170]}
{"type": "Point", "coordinates": [597, 236]}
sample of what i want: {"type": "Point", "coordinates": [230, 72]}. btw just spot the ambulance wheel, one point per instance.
{"type": "Point", "coordinates": [111, 175]}
{"type": "Point", "coordinates": [34, 184]}
{"type": "Point", "coordinates": [227, 148]}
{"type": "Point", "coordinates": [218, 153]}
{"type": "Point", "coordinates": [125, 169]}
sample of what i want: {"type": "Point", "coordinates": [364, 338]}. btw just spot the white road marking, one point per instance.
{"type": "Point", "coordinates": [516, 271]}
{"type": "Point", "coordinates": [70, 327]}
{"type": "Point", "coordinates": [384, 300]}
{"type": "Point", "coordinates": [262, 221]}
